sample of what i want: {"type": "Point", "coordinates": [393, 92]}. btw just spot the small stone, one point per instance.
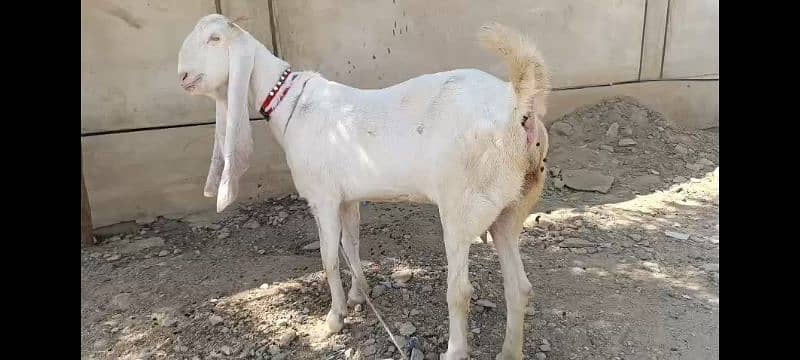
{"type": "Point", "coordinates": [287, 338]}
{"type": "Point", "coordinates": [312, 246]}
{"type": "Point", "coordinates": [274, 349]}
{"type": "Point", "coordinates": [628, 131]}
{"type": "Point", "coordinates": [114, 257]}
{"type": "Point", "coordinates": [680, 149]}
{"type": "Point", "coordinates": [417, 354]}
{"type": "Point", "coordinates": [348, 353]}
{"type": "Point", "coordinates": [223, 235]}
{"type": "Point", "coordinates": [586, 180]}
{"type": "Point", "coordinates": [676, 235]}
{"type": "Point", "coordinates": [283, 215]}
{"type": "Point", "coordinates": [558, 183]}
{"type": "Point", "coordinates": [163, 253]}
{"type": "Point", "coordinates": [679, 179]}
{"type": "Point", "coordinates": [627, 142]}
{"type": "Point", "coordinates": [378, 290]}
{"type": "Point", "coordinates": [486, 303]}
{"type": "Point", "coordinates": [562, 128]}
{"type": "Point", "coordinates": [414, 312]}
{"type": "Point", "coordinates": [122, 300]}
{"type": "Point", "coordinates": [694, 167]}
{"type": "Point", "coordinates": [613, 131]}
{"type": "Point", "coordinates": [176, 251]}
{"type": "Point", "coordinates": [705, 162]}
{"type": "Point", "coordinates": [427, 288]}
{"type": "Point", "coordinates": [575, 243]}
{"type": "Point", "coordinates": [100, 344]}
{"type": "Point", "coordinates": [540, 356]}
{"type": "Point", "coordinates": [252, 224]}
{"type": "Point", "coordinates": [711, 267]}
{"type": "Point", "coordinates": [226, 350]}
{"type": "Point", "coordinates": [215, 320]}
{"type": "Point", "coordinates": [262, 252]}
{"type": "Point", "coordinates": [554, 171]}
{"type": "Point", "coordinates": [545, 347]}
{"type": "Point", "coordinates": [406, 329]}
{"type": "Point", "coordinates": [95, 255]}
{"type": "Point", "coordinates": [608, 148]}
{"type": "Point", "coordinates": [402, 276]}
{"type": "Point", "coordinates": [476, 330]}
{"type": "Point", "coordinates": [358, 307]}
{"type": "Point", "coordinates": [369, 350]}
{"type": "Point", "coordinates": [406, 236]}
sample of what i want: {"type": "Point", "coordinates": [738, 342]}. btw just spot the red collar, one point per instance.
{"type": "Point", "coordinates": [277, 92]}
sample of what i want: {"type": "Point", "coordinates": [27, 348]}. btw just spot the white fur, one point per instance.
{"type": "Point", "coordinates": [456, 139]}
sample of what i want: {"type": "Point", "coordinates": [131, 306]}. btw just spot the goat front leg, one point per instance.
{"type": "Point", "coordinates": [459, 290]}
{"type": "Point", "coordinates": [351, 218]}
{"type": "Point", "coordinates": [329, 224]}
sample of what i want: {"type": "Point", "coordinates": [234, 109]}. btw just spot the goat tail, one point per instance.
{"type": "Point", "coordinates": [530, 80]}
{"type": "Point", "coordinates": [528, 74]}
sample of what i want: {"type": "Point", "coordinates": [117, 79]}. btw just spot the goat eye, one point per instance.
{"type": "Point", "coordinates": [213, 38]}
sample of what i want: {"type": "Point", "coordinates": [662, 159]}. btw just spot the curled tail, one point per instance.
{"type": "Point", "coordinates": [527, 71]}
{"type": "Point", "coordinates": [530, 80]}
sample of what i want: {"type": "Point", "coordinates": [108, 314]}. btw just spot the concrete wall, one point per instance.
{"type": "Point", "coordinates": [138, 166]}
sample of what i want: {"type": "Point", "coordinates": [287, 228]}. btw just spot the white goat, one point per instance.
{"type": "Point", "coordinates": [462, 139]}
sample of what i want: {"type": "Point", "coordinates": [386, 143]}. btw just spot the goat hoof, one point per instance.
{"type": "Point", "coordinates": [335, 322]}
{"type": "Point", "coordinates": [355, 298]}
{"type": "Point", "coordinates": [454, 355]}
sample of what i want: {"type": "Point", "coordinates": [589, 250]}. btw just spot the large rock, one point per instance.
{"type": "Point", "coordinates": [586, 180]}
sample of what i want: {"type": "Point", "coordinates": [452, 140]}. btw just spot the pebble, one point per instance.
{"type": "Point", "coordinates": [627, 142]}
{"type": "Point", "coordinates": [711, 267]}
{"type": "Point", "coordinates": [676, 235]}
{"type": "Point", "coordinates": [274, 349]}
{"type": "Point", "coordinates": [402, 276]}
{"type": "Point", "coordinates": [312, 246]}
{"type": "Point", "coordinates": [369, 350]}
{"type": "Point", "coordinates": [287, 338]}
{"type": "Point", "coordinates": [215, 320]}
{"type": "Point", "coordinates": [114, 257]}
{"type": "Point", "coordinates": [486, 303]}
{"type": "Point", "coordinates": [613, 131]}
{"type": "Point", "coordinates": [575, 243]}
{"type": "Point", "coordinates": [378, 290]}
{"type": "Point", "coordinates": [163, 253]}
{"type": "Point", "coordinates": [406, 329]}
{"type": "Point", "coordinates": [226, 350]}
{"type": "Point", "coordinates": [540, 356]}
{"type": "Point", "coordinates": [252, 224]}
{"type": "Point", "coordinates": [545, 347]}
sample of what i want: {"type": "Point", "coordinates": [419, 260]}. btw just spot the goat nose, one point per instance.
{"type": "Point", "coordinates": [183, 75]}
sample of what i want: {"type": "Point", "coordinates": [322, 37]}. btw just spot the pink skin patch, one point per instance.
{"type": "Point", "coordinates": [530, 130]}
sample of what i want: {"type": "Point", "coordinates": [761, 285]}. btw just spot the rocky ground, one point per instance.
{"type": "Point", "coordinates": [623, 255]}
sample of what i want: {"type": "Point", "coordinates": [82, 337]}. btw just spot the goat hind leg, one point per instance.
{"type": "Point", "coordinates": [505, 234]}
{"type": "Point", "coordinates": [351, 218]}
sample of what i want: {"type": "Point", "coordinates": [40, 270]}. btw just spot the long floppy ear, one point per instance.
{"type": "Point", "coordinates": [217, 161]}
{"type": "Point", "coordinates": [238, 142]}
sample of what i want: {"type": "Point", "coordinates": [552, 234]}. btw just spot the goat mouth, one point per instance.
{"type": "Point", "coordinates": [191, 86]}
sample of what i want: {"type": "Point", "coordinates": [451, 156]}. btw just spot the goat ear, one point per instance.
{"type": "Point", "coordinates": [237, 140]}
{"type": "Point", "coordinates": [217, 160]}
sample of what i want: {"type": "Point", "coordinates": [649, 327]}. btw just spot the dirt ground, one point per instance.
{"type": "Point", "coordinates": [632, 273]}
